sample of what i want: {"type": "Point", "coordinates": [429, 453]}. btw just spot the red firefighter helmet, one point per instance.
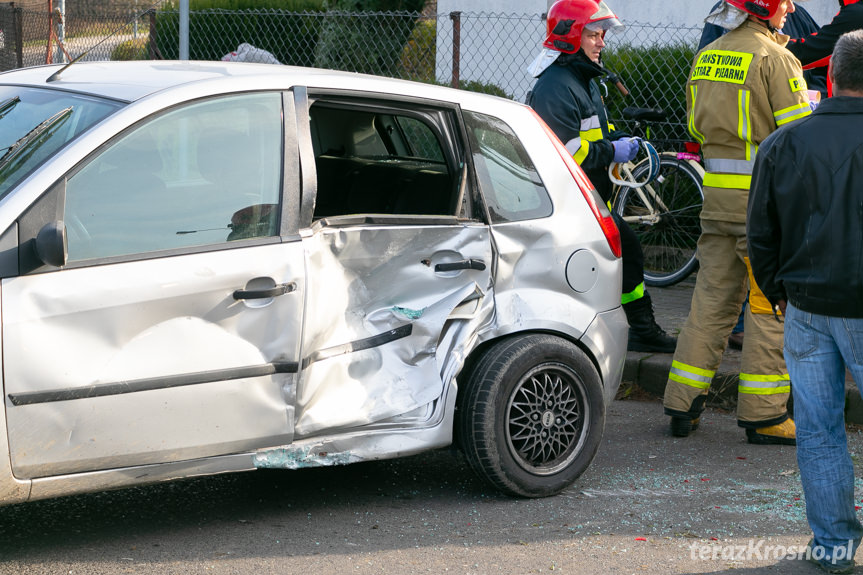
{"type": "Point", "coordinates": [764, 9]}
{"type": "Point", "coordinates": [565, 21]}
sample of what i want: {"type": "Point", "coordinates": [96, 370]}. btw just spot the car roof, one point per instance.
{"type": "Point", "coordinates": [130, 81]}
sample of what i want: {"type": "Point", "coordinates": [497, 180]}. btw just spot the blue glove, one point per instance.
{"type": "Point", "coordinates": [625, 149]}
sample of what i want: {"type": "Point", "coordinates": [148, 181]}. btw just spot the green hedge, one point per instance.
{"type": "Point", "coordinates": [217, 27]}
{"type": "Point", "coordinates": [375, 5]}
{"type": "Point", "coordinates": [485, 88]}
{"type": "Point", "coordinates": [133, 49]}
{"type": "Point", "coordinates": [369, 44]}
{"type": "Point", "coordinates": [286, 5]}
{"type": "Point", "coordinates": [656, 78]}
{"type": "Point", "coordinates": [419, 55]}
{"type": "Point", "coordinates": [329, 34]}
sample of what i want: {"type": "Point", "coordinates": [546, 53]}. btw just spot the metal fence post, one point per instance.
{"type": "Point", "coordinates": [456, 47]}
{"type": "Point", "coordinates": [49, 57]}
{"type": "Point", "coordinates": [151, 40]}
{"type": "Point", "coordinates": [18, 26]}
{"type": "Point", "coordinates": [184, 30]}
{"type": "Point", "coordinates": [61, 30]}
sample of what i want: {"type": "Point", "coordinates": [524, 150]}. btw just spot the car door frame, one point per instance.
{"type": "Point", "coordinates": [471, 212]}
{"type": "Point", "coordinates": [48, 206]}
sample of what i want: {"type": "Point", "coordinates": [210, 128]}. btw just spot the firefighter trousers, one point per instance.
{"type": "Point", "coordinates": [720, 288]}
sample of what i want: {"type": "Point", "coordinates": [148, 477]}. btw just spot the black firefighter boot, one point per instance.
{"type": "Point", "coordinates": [644, 333]}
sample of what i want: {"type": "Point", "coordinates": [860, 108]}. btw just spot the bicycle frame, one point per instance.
{"type": "Point", "coordinates": [648, 196]}
{"type": "Point", "coordinates": [663, 212]}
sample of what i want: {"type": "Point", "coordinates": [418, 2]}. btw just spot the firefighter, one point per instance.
{"type": "Point", "coordinates": [568, 101]}
{"type": "Point", "coordinates": [742, 87]}
{"type": "Point", "coordinates": [814, 50]}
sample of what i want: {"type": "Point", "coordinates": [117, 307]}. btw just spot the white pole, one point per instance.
{"type": "Point", "coordinates": [60, 57]}
{"type": "Point", "coordinates": [184, 29]}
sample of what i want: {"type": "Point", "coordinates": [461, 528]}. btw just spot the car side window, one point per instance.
{"type": "Point", "coordinates": [509, 181]}
{"type": "Point", "coordinates": [375, 160]}
{"type": "Point", "coordinates": [421, 140]}
{"type": "Point", "coordinates": [204, 173]}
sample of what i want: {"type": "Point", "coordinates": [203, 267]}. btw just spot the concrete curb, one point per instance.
{"type": "Point", "coordinates": [649, 371]}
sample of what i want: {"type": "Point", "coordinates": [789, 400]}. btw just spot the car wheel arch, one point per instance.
{"type": "Point", "coordinates": [531, 414]}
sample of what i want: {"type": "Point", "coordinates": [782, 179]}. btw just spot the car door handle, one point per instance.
{"type": "Point", "coordinates": [276, 291]}
{"type": "Point", "coordinates": [470, 264]}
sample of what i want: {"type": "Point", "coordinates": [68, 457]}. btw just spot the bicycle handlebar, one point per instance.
{"type": "Point", "coordinates": [615, 79]}
{"type": "Point", "coordinates": [652, 173]}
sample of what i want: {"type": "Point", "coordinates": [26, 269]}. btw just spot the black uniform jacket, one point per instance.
{"type": "Point", "coordinates": [815, 49]}
{"type": "Point", "coordinates": [805, 216]}
{"type": "Point", "coordinates": [570, 103]}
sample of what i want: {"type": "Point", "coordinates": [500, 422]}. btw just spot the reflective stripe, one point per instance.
{"type": "Point", "coordinates": [592, 135]}
{"type": "Point", "coordinates": [589, 124]}
{"type": "Point", "coordinates": [590, 132]}
{"type": "Point", "coordinates": [635, 294]}
{"type": "Point", "coordinates": [690, 375]}
{"type": "Point", "coordinates": [580, 152]}
{"type": "Point", "coordinates": [744, 124]}
{"type": "Point", "coordinates": [795, 112]}
{"type": "Point", "coordinates": [732, 181]}
{"type": "Point", "coordinates": [692, 131]}
{"type": "Point", "coordinates": [722, 65]}
{"type": "Point", "coordinates": [573, 146]}
{"type": "Point", "coordinates": [764, 384]}
{"type": "Point", "coordinates": [797, 84]}
{"type": "Point", "coordinates": [758, 391]}
{"type": "Point", "coordinates": [729, 166]}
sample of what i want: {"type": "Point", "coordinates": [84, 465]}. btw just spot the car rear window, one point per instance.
{"type": "Point", "coordinates": [508, 179]}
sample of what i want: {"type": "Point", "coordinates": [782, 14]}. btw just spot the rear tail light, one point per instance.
{"type": "Point", "coordinates": [600, 211]}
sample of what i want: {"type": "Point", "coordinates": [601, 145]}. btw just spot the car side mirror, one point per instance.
{"type": "Point", "coordinates": [51, 246]}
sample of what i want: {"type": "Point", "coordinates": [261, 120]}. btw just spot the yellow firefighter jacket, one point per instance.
{"type": "Point", "coordinates": [742, 87]}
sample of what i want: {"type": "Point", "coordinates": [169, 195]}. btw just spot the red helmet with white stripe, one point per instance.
{"type": "Point", "coordinates": [764, 9]}
{"type": "Point", "coordinates": [565, 22]}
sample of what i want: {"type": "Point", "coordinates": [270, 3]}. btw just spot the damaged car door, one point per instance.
{"type": "Point", "coordinates": [399, 264]}
{"type": "Point", "coordinates": [170, 329]}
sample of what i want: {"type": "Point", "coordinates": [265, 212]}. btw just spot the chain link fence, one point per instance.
{"type": "Point", "coordinates": [477, 51]}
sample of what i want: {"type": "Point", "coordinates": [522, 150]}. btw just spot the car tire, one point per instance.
{"type": "Point", "coordinates": [532, 415]}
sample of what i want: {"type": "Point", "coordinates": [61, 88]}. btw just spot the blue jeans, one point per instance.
{"type": "Point", "coordinates": [817, 350]}
{"type": "Point", "coordinates": [739, 327]}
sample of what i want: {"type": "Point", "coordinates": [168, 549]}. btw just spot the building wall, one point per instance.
{"type": "Point", "coordinates": [684, 12]}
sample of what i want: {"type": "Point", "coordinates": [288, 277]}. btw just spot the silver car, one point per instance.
{"type": "Point", "coordinates": [217, 267]}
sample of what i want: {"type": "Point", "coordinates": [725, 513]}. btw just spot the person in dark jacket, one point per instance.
{"type": "Point", "coordinates": [814, 49]}
{"type": "Point", "coordinates": [799, 24]}
{"type": "Point", "coordinates": [568, 100]}
{"type": "Point", "coordinates": [805, 231]}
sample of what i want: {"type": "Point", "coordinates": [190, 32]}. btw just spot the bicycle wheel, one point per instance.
{"type": "Point", "coordinates": [669, 234]}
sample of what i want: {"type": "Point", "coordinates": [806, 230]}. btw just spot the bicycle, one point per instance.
{"type": "Point", "coordinates": [660, 197]}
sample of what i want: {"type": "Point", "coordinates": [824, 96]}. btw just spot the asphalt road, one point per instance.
{"type": "Point", "coordinates": [650, 503]}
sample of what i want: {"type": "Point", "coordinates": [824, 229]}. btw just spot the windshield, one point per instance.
{"type": "Point", "coordinates": [35, 123]}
